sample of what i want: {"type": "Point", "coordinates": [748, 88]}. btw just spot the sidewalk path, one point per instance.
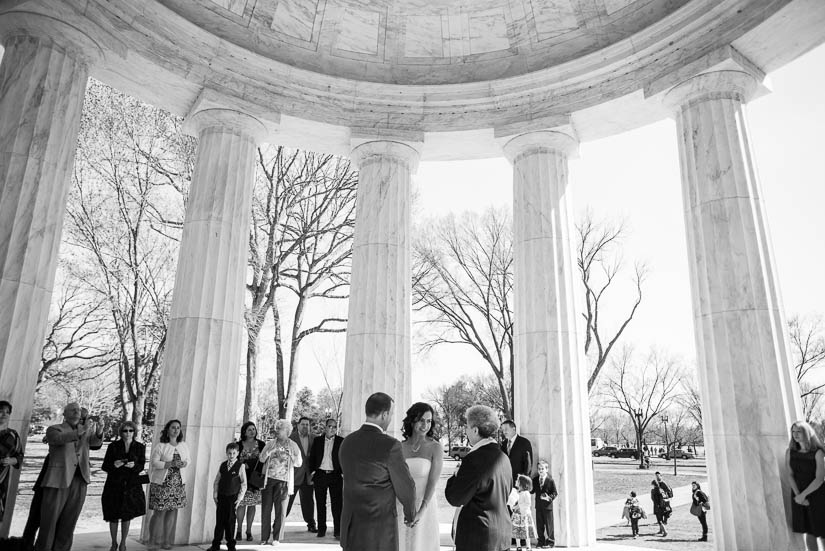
{"type": "Point", "coordinates": [609, 513]}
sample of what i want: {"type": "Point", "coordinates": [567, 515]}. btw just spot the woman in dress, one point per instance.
{"type": "Point", "coordinates": [280, 456]}
{"type": "Point", "coordinates": [805, 460]}
{"type": "Point", "coordinates": [123, 498]}
{"type": "Point", "coordinates": [250, 451]}
{"type": "Point", "coordinates": [166, 491]}
{"type": "Point", "coordinates": [11, 455]}
{"type": "Point", "coordinates": [424, 458]}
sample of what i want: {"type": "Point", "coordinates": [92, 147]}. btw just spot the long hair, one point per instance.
{"type": "Point", "coordinates": [164, 434]}
{"type": "Point", "coordinates": [130, 425]}
{"type": "Point", "coordinates": [414, 415]}
{"type": "Point", "coordinates": [243, 430]}
{"type": "Point", "coordinates": [810, 439]}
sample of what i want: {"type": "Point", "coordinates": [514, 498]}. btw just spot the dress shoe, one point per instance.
{"type": "Point", "coordinates": [321, 533]}
{"type": "Point", "coordinates": [248, 536]}
{"type": "Point", "coordinates": [312, 529]}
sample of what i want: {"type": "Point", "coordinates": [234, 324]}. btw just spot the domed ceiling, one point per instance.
{"type": "Point", "coordinates": [424, 41]}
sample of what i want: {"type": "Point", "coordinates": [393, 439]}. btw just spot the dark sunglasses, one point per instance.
{"type": "Point", "coordinates": [128, 430]}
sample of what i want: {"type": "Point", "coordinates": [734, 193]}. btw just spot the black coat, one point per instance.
{"type": "Point", "coordinates": [316, 454]}
{"type": "Point", "coordinates": [375, 475]}
{"type": "Point", "coordinates": [521, 456]}
{"type": "Point", "coordinates": [549, 488]}
{"type": "Point", "coordinates": [481, 487]}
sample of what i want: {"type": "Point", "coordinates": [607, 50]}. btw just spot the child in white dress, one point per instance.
{"type": "Point", "coordinates": [524, 526]}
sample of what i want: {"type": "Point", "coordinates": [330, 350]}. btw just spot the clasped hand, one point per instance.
{"type": "Point", "coordinates": [801, 500]}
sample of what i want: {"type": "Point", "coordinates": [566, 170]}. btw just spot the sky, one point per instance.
{"type": "Point", "coordinates": [635, 177]}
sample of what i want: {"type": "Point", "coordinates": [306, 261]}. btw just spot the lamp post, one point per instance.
{"type": "Point", "coordinates": [667, 445]}
{"type": "Point", "coordinates": [638, 414]}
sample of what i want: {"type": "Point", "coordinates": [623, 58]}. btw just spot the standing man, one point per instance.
{"type": "Point", "coordinates": [303, 476]}
{"type": "Point", "coordinates": [545, 489]}
{"type": "Point", "coordinates": [65, 481]}
{"type": "Point", "coordinates": [518, 449]}
{"type": "Point", "coordinates": [481, 487]}
{"type": "Point", "coordinates": [375, 476]}
{"type": "Point", "coordinates": [326, 475]}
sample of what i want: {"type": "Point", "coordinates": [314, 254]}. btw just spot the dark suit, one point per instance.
{"type": "Point", "coordinates": [521, 456]}
{"type": "Point", "coordinates": [481, 487]}
{"type": "Point", "coordinates": [327, 479]}
{"type": "Point", "coordinates": [544, 509]}
{"type": "Point", "coordinates": [303, 482]}
{"type": "Point", "coordinates": [375, 475]}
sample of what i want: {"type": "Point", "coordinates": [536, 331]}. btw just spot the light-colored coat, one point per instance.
{"type": "Point", "coordinates": [67, 452]}
{"type": "Point", "coordinates": [161, 453]}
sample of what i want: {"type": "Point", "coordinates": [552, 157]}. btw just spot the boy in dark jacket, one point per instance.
{"type": "Point", "coordinates": [228, 491]}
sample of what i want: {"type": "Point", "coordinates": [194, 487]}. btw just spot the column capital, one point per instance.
{"type": "Point", "coordinates": [365, 149]}
{"type": "Point", "coordinates": [560, 141]}
{"type": "Point", "coordinates": [726, 84]}
{"type": "Point", "coordinates": [227, 120]}
{"type": "Point", "coordinates": [68, 38]}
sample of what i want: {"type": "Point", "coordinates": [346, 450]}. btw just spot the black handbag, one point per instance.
{"type": "Point", "coordinates": [256, 479]}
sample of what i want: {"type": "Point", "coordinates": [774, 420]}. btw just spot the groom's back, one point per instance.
{"type": "Point", "coordinates": [368, 516]}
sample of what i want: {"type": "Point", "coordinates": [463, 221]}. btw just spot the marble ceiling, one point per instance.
{"type": "Point", "coordinates": [424, 41]}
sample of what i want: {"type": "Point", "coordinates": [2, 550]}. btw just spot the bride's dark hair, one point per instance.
{"type": "Point", "coordinates": [414, 415]}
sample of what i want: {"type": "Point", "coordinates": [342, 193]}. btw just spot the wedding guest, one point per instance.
{"type": "Point", "coordinates": [805, 460]}
{"type": "Point", "coordinates": [167, 493]}
{"type": "Point", "coordinates": [545, 489]}
{"type": "Point", "coordinates": [11, 455]}
{"type": "Point", "coordinates": [303, 436]}
{"type": "Point", "coordinates": [699, 508]}
{"type": "Point", "coordinates": [123, 498]}
{"type": "Point", "coordinates": [250, 451]}
{"type": "Point", "coordinates": [325, 466]}
{"type": "Point", "coordinates": [64, 483]}
{"type": "Point", "coordinates": [281, 456]}
{"type": "Point", "coordinates": [521, 515]}
{"type": "Point", "coordinates": [228, 491]}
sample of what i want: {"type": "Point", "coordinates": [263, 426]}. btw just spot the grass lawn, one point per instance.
{"type": "Point", "coordinates": [683, 531]}
{"type": "Point", "coordinates": [617, 485]}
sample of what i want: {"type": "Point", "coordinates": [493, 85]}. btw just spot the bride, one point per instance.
{"type": "Point", "coordinates": [424, 458]}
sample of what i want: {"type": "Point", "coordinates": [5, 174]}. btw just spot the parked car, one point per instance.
{"type": "Point", "coordinates": [459, 452]}
{"type": "Point", "coordinates": [606, 451]}
{"type": "Point", "coordinates": [626, 452]}
{"type": "Point", "coordinates": [680, 454]}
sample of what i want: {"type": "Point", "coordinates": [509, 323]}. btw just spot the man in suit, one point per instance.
{"type": "Point", "coordinates": [65, 480]}
{"type": "Point", "coordinates": [545, 489]}
{"type": "Point", "coordinates": [326, 475]}
{"type": "Point", "coordinates": [375, 476]}
{"type": "Point", "coordinates": [518, 449]}
{"type": "Point", "coordinates": [481, 487]}
{"type": "Point", "coordinates": [303, 476]}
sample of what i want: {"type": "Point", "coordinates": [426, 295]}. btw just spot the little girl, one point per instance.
{"type": "Point", "coordinates": [634, 511]}
{"type": "Point", "coordinates": [524, 527]}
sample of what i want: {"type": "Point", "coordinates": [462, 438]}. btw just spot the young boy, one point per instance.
{"type": "Point", "coordinates": [545, 489]}
{"type": "Point", "coordinates": [229, 489]}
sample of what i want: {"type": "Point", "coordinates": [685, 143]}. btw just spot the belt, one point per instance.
{"type": "Point", "coordinates": [326, 471]}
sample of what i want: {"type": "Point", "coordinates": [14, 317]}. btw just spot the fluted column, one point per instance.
{"type": "Point", "coordinates": [201, 365]}
{"type": "Point", "coordinates": [378, 355]}
{"type": "Point", "coordinates": [42, 83]}
{"type": "Point", "coordinates": [549, 382]}
{"type": "Point", "coordinates": [749, 396]}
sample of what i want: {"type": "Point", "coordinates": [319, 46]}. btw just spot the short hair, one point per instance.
{"type": "Point", "coordinates": [812, 441]}
{"type": "Point", "coordinates": [632, 494]}
{"type": "Point", "coordinates": [243, 430]}
{"type": "Point", "coordinates": [543, 462]}
{"type": "Point", "coordinates": [657, 472]}
{"type": "Point", "coordinates": [5, 404]}
{"type": "Point", "coordinates": [483, 418]}
{"type": "Point", "coordinates": [524, 483]}
{"type": "Point", "coordinates": [282, 423]}
{"type": "Point", "coordinates": [307, 419]}
{"type": "Point", "coordinates": [232, 446]}
{"type": "Point", "coordinates": [164, 434]}
{"type": "Point", "coordinates": [331, 420]}
{"type": "Point", "coordinates": [129, 424]}
{"type": "Point", "coordinates": [414, 415]}
{"type": "Point", "coordinates": [377, 404]}
{"type": "Point", "coordinates": [509, 423]}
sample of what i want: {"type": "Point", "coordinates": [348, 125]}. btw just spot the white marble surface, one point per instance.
{"type": "Point", "coordinates": [41, 97]}
{"type": "Point", "coordinates": [378, 354]}
{"type": "Point", "coordinates": [550, 386]}
{"type": "Point", "coordinates": [199, 384]}
{"type": "Point", "coordinates": [749, 395]}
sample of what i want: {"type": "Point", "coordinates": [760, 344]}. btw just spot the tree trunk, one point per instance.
{"type": "Point", "coordinates": [291, 389]}
{"type": "Point", "coordinates": [138, 408]}
{"type": "Point", "coordinates": [279, 361]}
{"type": "Point", "coordinates": [250, 403]}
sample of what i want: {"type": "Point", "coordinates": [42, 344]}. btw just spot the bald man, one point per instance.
{"type": "Point", "coordinates": [65, 480]}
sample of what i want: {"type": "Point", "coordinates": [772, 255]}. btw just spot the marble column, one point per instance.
{"type": "Point", "coordinates": [202, 362]}
{"type": "Point", "coordinates": [749, 395]}
{"type": "Point", "coordinates": [42, 83]}
{"type": "Point", "coordinates": [550, 383]}
{"type": "Point", "coordinates": [378, 355]}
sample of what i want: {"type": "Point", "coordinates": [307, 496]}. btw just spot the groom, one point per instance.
{"type": "Point", "coordinates": [375, 475]}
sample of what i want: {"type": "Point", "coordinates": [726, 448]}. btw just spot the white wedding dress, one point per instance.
{"type": "Point", "coordinates": [424, 536]}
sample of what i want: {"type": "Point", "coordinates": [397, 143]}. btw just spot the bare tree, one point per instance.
{"type": "Point", "coordinates": [643, 389]}
{"type": "Point", "coordinates": [452, 400]}
{"type": "Point", "coordinates": [462, 283]}
{"type": "Point", "coordinates": [808, 344]}
{"type": "Point", "coordinates": [300, 244]}
{"type": "Point", "coordinates": [691, 401]}
{"type": "Point", "coordinates": [599, 261]}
